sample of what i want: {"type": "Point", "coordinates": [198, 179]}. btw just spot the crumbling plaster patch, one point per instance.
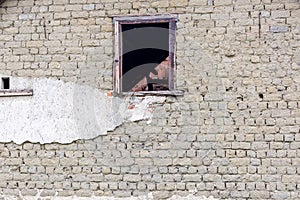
{"type": "Point", "coordinates": [63, 112]}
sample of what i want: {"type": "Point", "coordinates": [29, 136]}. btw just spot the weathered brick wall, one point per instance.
{"type": "Point", "coordinates": [234, 134]}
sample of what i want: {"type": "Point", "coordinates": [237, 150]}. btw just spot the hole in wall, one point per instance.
{"type": "Point", "coordinates": [240, 98]}
{"type": "Point", "coordinates": [261, 96]}
{"type": "Point", "coordinates": [5, 83]}
{"type": "Point", "coordinates": [229, 89]}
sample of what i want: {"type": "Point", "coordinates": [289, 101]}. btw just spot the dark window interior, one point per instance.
{"type": "Point", "coordinates": [145, 48]}
{"type": "Point", "coordinates": [5, 83]}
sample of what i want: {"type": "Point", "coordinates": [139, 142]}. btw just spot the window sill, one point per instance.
{"type": "Point", "coordinates": [13, 93]}
{"type": "Point", "coordinates": [152, 93]}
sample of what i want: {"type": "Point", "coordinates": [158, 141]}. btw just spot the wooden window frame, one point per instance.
{"type": "Point", "coordinates": [117, 72]}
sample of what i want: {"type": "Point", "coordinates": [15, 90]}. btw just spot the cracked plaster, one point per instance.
{"type": "Point", "coordinates": [63, 112]}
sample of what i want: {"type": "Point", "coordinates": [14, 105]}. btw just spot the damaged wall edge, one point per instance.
{"type": "Point", "coordinates": [13, 93]}
{"type": "Point", "coordinates": [64, 112]}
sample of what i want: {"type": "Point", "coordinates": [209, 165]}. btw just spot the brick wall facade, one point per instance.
{"type": "Point", "coordinates": [234, 134]}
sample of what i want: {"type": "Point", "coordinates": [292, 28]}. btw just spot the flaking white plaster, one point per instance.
{"type": "Point", "coordinates": [63, 112]}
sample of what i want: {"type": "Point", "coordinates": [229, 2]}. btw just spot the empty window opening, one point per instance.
{"type": "Point", "coordinates": [145, 57]}
{"type": "Point", "coordinates": [5, 83]}
{"type": "Point", "coordinates": [144, 54]}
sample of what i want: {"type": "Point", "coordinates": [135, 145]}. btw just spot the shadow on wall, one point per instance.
{"type": "Point", "coordinates": [1, 1]}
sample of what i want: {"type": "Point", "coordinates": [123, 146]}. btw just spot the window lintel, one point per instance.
{"type": "Point", "coordinates": [143, 19]}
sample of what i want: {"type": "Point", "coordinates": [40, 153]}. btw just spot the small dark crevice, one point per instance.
{"type": "Point", "coordinates": [280, 89]}
{"type": "Point", "coordinates": [210, 2]}
{"type": "Point", "coordinates": [1, 1]}
{"type": "Point", "coordinates": [45, 28]}
{"type": "Point", "coordinates": [195, 24]}
{"type": "Point", "coordinates": [261, 95]}
{"type": "Point", "coordinates": [259, 25]}
{"type": "Point", "coordinates": [240, 98]}
{"type": "Point", "coordinates": [229, 89]}
{"type": "Point", "coordinates": [5, 83]}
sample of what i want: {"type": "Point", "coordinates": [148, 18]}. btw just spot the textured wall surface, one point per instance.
{"type": "Point", "coordinates": [234, 134]}
{"type": "Point", "coordinates": [64, 112]}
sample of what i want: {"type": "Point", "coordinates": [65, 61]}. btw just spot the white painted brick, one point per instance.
{"type": "Point", "coordinates": [27, 16]}
{"type": "Point", "coordinates": [89, 7]}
